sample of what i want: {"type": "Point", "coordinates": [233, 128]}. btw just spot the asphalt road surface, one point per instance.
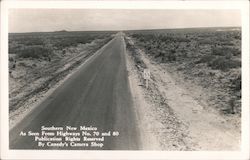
{"type": "Point", "coordinates": [96, 95]}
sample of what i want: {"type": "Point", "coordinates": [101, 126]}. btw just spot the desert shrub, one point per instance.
{"type": "Point", "coordinates": [182, 39]}
{"type": "Point", "coordinates": [206, 59]}
{"type": "Point", "coordinates": [14, 49]}
{"type": "Point", "coordinates": [63, 42]}
{"type": "Point", "coordinates": [165, 38]}
{"type": "Point", "coordinates": [223, 63]}
{"type": "Point", "coordinates": [206, 41]}
{"type": "Point", "coordinates": [227, 43]}
{"type": "Point", "coordinates": [148, 47]}
{"type": "Point", "coordinates": [172, 55]}
{"type": "Point", "coordinates": [22, 64]}
{"type": "Point", "coordinates": [167, 55]}
{"type": "Point", "coordinates": [34, 52]}
{"type": "Point", "coordinates": [236, 83]}
{"type": "Point", "coordinates": [225, 51]}
{"type": "Point", "coordinates": [29, 40]}
{"type": "Point", "coordinates": [237, 36]}
{"type": "Point", "coordinates": [11, 59]}
{"type": "Point", "coordinates": [139, 61]}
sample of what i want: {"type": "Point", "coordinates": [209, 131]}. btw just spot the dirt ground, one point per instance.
{"type": "Point", "coordinates": [173, 113]}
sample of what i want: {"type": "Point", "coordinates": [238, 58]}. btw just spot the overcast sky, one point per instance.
{"type": "Point", "coordinates": [39, 20]}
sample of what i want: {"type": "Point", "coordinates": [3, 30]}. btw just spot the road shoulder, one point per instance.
{"type": "Point", "coordinates": [160, 128]}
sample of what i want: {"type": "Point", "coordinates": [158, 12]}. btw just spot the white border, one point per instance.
{"type": "Point", "coordinates": [52, 154]}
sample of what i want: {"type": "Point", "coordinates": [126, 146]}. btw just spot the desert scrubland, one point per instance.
{"type": "Point", "coordinates": [194, 93]}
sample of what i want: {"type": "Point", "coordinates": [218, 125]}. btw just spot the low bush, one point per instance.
{"type": "Point", "coordinates": [11, 59]}
{"type": "Point", "coordinates": [63, 42]}
{"type": "Point", "coordinates": [236, 84]}
{"type": "Point", "coordinates": [206, 42]}
{"type": "Point", "coordinates": [172, 55]}
{"type": "Point", "coordinates": [182, 39]}
{"type": "Point", "coordinates": [14, 49]}
{"type": "Point", "coordinates": [225, 51]}
{"type": "Point", "coordinates": [206, 59]}
{"type": "Point", "coordinates": [29, 40]}
{"type": "Point", "coordinates": [34, 52]}
{"type": "Point", "coordinates": [224, 64]}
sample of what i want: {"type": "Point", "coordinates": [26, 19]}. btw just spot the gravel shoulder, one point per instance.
{"type": "Point", "coordinates": [159, 126]}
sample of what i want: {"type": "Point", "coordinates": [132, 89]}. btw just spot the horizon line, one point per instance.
{"type": "Point", "coordinates": [64, 30]}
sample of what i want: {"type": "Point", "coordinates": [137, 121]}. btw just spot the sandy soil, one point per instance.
{"type": "Point", "coordinates": [182, 111]}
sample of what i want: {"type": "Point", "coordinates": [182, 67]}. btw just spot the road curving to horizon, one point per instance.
{"type": "Point", "coordinates": [97, 95]}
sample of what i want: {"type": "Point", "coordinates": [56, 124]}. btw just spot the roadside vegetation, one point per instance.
{"type": "Point", "coordinates": [208, 57]}
{"type": "Point", "coordinates": [39, 45]}
{"type": "Point", "coordinates": [37, 61]}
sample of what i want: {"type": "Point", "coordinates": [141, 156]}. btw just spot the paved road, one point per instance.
{"type": "Point", "coordinates": [96, 95]}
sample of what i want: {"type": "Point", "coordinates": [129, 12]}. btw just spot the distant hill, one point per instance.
{"type": "Point", "coordinates": [61, 31]}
